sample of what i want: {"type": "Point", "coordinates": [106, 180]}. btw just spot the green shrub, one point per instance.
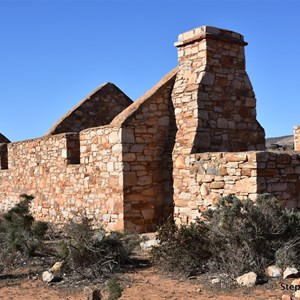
{"type": "Point", "coordinates": [91, 252]}
{"type": "Point", "coordinates": [236, 237]}
{"type": "Point", "coordinates": [114, 288]}
{"type": "Point", "coordinates": [20, 232]}
{"type": "Point", "coordinates": [182, 249]}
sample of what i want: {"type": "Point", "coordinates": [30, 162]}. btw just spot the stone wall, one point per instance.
{"type": "Point", "coordinates": [297, 138]}
{"type": "Point", "coordinates": [97, 109]}
{"type": "Point", "coordinates": [112, 174]}
{"type": "Point", "coordinates": [212, 175]}
{"type": "Point", "coordinates": [145, 136]}
{"type": "Point", "coordinates": [215, 106]}
{"type": "Point", "coordinates": [45, 168]}
{"type": "Point", "coordinates": [279, 174]}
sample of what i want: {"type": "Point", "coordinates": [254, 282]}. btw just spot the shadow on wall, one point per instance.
{"type": "Point", "coordinates": [167, 167]}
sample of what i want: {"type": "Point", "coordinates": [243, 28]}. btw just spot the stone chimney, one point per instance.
{"type": "Point", "coordinates": [215, 106]}
{"type": "Point", "coordinates": [297, 138]}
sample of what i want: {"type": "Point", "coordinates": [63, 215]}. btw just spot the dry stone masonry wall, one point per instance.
{"type": "Point", "coordinates": [97, 109]}
{"type": "Point", "coordinates": [176, 151]}
{"type": "Point", "coordinates": [145, 135]}
{"type": "Point", "coordinates": [64, 190]}
{"type": "Point", "coordinates": [213, 175]}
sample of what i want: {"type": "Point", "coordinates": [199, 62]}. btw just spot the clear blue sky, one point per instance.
{"type": "Point", "coordinates": [54, 53]}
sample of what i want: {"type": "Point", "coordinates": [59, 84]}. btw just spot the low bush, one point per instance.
{"type": "Point", "coordinates": [114, 288]}
{"type": "Point", "coordinates": [92, 253]}
{"type": "Point", "coordinates": [19, 230]}
{"type": "Point", "coordinates": [236, 237]}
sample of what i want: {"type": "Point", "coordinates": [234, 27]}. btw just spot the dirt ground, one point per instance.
{"type": "Point", "coordinates": [143, 284]}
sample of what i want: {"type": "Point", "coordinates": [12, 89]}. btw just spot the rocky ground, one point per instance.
{"type": "Point", "coordinates": [142, 282]}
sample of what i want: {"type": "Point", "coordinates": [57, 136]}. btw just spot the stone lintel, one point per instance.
{"type": "Point", "coordinates": [209, 32]}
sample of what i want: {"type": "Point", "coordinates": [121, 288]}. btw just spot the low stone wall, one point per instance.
{"type": "Point", "coordinates": [206, 177]}
{"type": "Point", "coordinates": [279, 174]}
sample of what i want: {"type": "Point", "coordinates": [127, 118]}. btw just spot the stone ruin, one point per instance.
{"type": "Point", "coordinates": [188, 141]}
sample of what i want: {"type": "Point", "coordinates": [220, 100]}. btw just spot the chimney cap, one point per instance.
{"type": "Point", "coordinates": [204, 32]}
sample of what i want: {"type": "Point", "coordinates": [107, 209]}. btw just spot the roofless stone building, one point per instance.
{"type": "Point", "coordinates": [190, 140]}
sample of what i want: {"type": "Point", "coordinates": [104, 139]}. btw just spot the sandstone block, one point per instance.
{"type": "Point", "coordinates": [47, 276]}
{"type": "Point", "coordinates": [56, 267]}
{"type": "Point", "coordinates": [277, 187]}
{"type": "Point", "coordinates": [179, 162]}
{"type": "Point", "coordinates": [217, 185]}
{"type": "Point", "coordinates": [274, 271]}
{"type": "Point", "coordinates": [248, 279]}
{"type": "Point", "coordinates": [128, 157]}
{"type": "Point", "coordinates": [148, 213]}
{"type": "Point", "coordinates": [204, 190]}
{"type": "Point", "coordinates": [137, 148]}
{"type": "Point", "coordinates": [163, 121]}
{"type": "Point", "coordinates": [234, 157]}
{"type": "Point", "coordinates": [290, 272]}
{"type": "Point", "coordinates": [114, 137]}
{"type": "Point", "coordinates": [130, 178]}
{"type": "Point", "coordinates": [283, 159]}
{"type": "Point", "coordinates": [247, 185]}
{"type": "Point", "coordinates": [144, 180]}
{"type": "Point", "coordinates": [212, 200]}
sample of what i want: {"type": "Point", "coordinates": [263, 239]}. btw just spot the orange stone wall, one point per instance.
{"type": "Point", "coordinates": [214, 104]}
{"type": "Point", "coordinates": [97, 109]}
{"type": "Point", "coordinates": [146, 125]}
{"type": "Point", "coordinates": [213, 175]}
{"type": "Point", "coordinates": [63, 190]}
{"type": "Point", "coordinates": [111, 174]}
